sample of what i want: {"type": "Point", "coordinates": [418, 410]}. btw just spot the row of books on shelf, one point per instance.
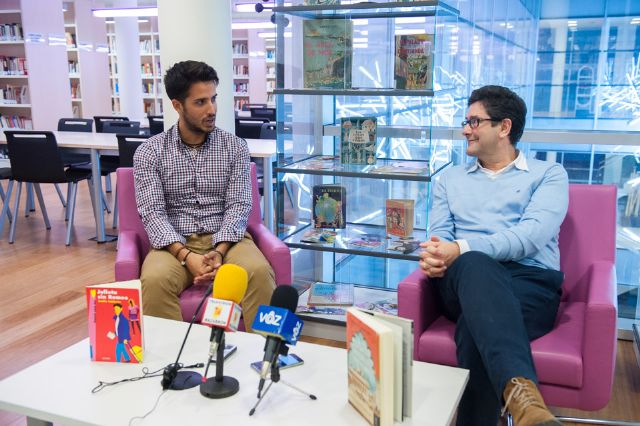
{"type": "Point", "coordinates": [70, 39]}
{"type": "Point", "coordinates": [147, 68]}
{"type": "Point", "coordinates": [74, 67]}
{"type": "Point", "coordinates": [240, 69]}
{"type": "Point", "coordinates": [14, 95]}
{"type": "Point", "coordinates": [239, 103]}
{"type": "Point", "coordinates": [328, 52]}
{"type": "Point", "coordinates": [11, 32]}
{"type": "Point", "coordinates": [15, 122]}
{"type": "Point", "coordinates": [149, 46]}
{"type": "Point", "coordinates": [240, 49]}
{"type": "Point", "coordinates": [12, 65]}
{"type": "Point", "coordinates": [75, 90]}
{"type": "Point", "coordinates": [240, 87]}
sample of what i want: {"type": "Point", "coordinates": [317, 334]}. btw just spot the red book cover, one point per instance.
{"type": "Point", "coordinates": [115, 322]}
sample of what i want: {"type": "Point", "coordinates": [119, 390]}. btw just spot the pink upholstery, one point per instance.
{"type": "Point", "coordinates": [133, 243]}
{"type": "Point", "coordinates": [575, 361]}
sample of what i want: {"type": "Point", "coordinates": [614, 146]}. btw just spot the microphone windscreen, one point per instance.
{"type": "Point", "coordinates": [230, 283]}
{"type": "Point", "coordinates": [285, 296]}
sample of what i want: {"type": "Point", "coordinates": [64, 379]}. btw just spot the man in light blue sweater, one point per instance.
{"type": "Point", "coordinates": [493, 254]}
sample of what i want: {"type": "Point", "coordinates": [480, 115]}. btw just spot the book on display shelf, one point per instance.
{"type": "Point", "coordinates": [413, 68]}
{"type": "Point", "coordinates": [327, 53]}
{"type": "Point", "coordinates": [399, 217]}
{"type": "Point", "coordinates": [330, 294]}
{"type": "Point", "coordinates": [358, 140]}
{"type": "Point", "coordinates": [329, 206]}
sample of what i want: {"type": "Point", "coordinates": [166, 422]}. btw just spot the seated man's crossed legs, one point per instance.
{"type": "Point", "coordinates": [164, 278]}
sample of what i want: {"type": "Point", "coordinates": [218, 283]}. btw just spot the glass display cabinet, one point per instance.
{"type": "Point", "coordinates": [356, 63]}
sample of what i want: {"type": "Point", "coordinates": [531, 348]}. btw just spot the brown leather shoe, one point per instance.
{"type": "Point", "coordinates": [524, 402]}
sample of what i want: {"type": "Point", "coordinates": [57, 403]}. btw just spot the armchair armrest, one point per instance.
{"type": "Point", "coordinates": [128, 261]}
{"type": "Point", "coordinates": [274, 250]}
{"type": "Point", "coordinates": [417, 301]}
{"type": "Point", "coordinates": [600, 334]}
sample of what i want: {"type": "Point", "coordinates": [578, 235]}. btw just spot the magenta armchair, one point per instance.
{"type": "Point", "coordinates": [575, 361]}
{"type": "Point", "coordinates": [133, 243]}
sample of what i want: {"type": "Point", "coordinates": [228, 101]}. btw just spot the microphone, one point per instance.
{"type": "Point", "coordinates": [279, 325]}
{"type": "Point", "coordinates": [223, 314]}
{"type": "Point", "coordinates": [223, 310]}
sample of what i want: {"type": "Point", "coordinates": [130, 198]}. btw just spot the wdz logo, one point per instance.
{"type": "Point", "coordinates": [271, 318]}
{"type": "Point", "coordinates": [296, 330]}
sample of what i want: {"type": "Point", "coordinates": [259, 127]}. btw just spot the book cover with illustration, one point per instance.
{"type": "Point", "coordinates": [358, 140]}
{"type": "Point", "coordinates": [414, 61]}
{"type": "Point", "coordinates": [330, 294]}
{"type": "Point", "coordinates": [329, 206]}
{"type": "Point", "coordinates": [115, 322]}
{"type": "Point", "coordinates": [403, 245]}
{"type": "Point", "coordinates": [370, 367]}
{"type": "Point", "coordinates": [327, 53]}
{"type": "Point", "coordinates": [399, 217]}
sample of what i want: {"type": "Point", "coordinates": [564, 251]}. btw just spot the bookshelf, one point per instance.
{"type": "Point", "coordinates": [241, 69]}
{"type": "Point", "coordinates": [87, 60]}
{"type": "Point", "coordinates": [150, 69]}
{"type": "Point", "coordinates": [310, 129]}
{"type": "Point", "coordinates": [34, 71]}
{"type": "Point", "coordinates": [270, 63]}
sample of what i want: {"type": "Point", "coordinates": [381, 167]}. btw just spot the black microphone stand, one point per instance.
{"type": "Point", "coordinates": [171, 371]}
{"type": "Point", "coordinates": [275, 378]}
{"type": "Point", "coordinates": [220, 386]}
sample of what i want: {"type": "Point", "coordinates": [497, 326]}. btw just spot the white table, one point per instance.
{"type": "Point", "coordinates": [97, 144]}
{"type": "Point", "coordinates": [58, 389]}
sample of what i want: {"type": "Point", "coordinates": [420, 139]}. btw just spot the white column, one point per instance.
{"type": "Point", "coordinates": [198, 30]}
{"type": "Point", "coordinates": [557, 73]}
{"type": "Point", "coordinates": [129, 74]}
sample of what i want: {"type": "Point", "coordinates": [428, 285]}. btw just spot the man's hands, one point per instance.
{"type": "Point", "coordinates": [204, 267]}
{"type": "Point", "coordinates": [437, 256]}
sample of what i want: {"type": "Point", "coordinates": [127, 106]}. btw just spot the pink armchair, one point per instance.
{"type": "Point", "coordinates": [575, 361]}
{"type": "Point", "coordinates": [133, 243]}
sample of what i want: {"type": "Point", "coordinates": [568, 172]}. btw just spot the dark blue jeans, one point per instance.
{"type": "Point", "coordinates": [498, 308]}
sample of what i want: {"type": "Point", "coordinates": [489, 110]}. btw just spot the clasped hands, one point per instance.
{"type": "Point", "coordinates": [204, 267]}
{"type": "Point", "coordinates": [437, 256]}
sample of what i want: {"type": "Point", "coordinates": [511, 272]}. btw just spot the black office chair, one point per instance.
{"type": "Point", "coordinates": [269, 113]}
{"type": "Point", "coordinates": [156, 124]}
{"type": "Point", "coordinates": [249, 128]}
{"type": "Point", "coordinates": [247, 107]}
{"type": "Point", "coordinates": [35, 158]}
{"type": "Point", "coordinates": [123, 127]}
{"type": "Point", "coordinates": [268, 130]}
{"type": "Point", "coordinates": [127, 146]}
{"type": "Point", "coordinates": [100, 119]}
{"type": "Point", "coordinates": [75, 125]}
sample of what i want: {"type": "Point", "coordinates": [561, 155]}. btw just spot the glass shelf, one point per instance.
{"type": "Point", "coordinates": [345, 240]}
{"type": "Point", "coordinates": [366, 10]}
{"type": "Point", "coordinates": [355, 92]}
{"type": "Point", "coordinates": [417, 171]}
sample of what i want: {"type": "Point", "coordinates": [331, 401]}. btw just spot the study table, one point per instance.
{"type": "Point", "coordinates": [58, 389]}
{"type": "Point", "coordinates": [97, 144]}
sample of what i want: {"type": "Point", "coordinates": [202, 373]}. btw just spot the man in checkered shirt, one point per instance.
{"type": "Point", "coordinates": [193, 193]}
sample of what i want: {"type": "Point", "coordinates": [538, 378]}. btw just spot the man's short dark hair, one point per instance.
{"type": "Point", "coordinates": [179, 78]}
{"type": "Point", "coordinates": [502, 103]}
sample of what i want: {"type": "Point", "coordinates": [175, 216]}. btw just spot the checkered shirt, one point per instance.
{"type": "Point", "coordinates": [182, 191]}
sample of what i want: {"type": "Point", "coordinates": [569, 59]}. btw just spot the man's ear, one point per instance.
{"type": "Point", "coordinates": [177, 105]}
{"type": "Point", "coordinates": [505, 127]}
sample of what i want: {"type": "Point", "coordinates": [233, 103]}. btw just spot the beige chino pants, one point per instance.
{"type": "Point", "coordinates": [164, 278]}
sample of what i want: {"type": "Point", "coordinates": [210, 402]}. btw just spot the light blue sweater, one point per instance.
{"type": "Point", "coordinates": [513, 215]}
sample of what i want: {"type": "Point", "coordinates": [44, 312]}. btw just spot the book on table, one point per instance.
{"type": "Point", "coordinates": [330, 294]}
{"type": "Point", "coordinates": [380, 360]}
{"type": "Point", "coordinates": [116, 333]}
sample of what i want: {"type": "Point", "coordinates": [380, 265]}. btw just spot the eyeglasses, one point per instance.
{"type": "Point", "coordinates": [475, 122]}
